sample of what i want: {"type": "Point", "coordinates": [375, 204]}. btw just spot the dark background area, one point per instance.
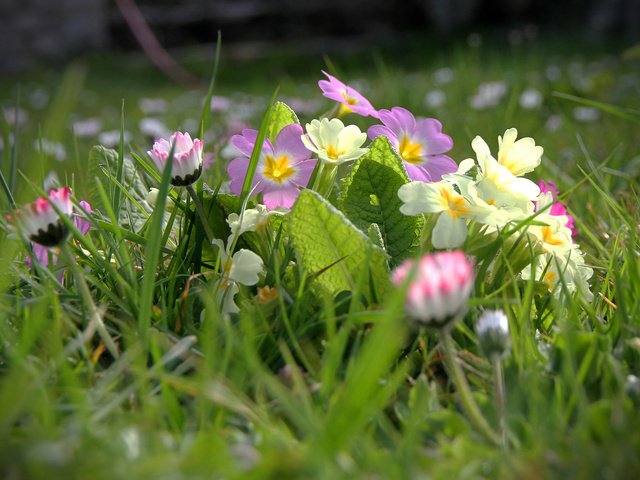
{"type": "Point", "coordinates": [37, 32]}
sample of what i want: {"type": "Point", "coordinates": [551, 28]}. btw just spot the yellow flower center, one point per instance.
{"type": "Point", "coordinates": [550, 279]}
{"type": "Point", "coordinates": [333, 153]}
{"type": "Point", "coordinates": [550, 238]}
{"type": "Point", "coordinates": [454, 204]}
{"type": "Point", "coordinates": [410, 151]}
{"type": "Point", "coordinates": [348, 100]}
{"type": "Point", "coordinates": [277, 169]}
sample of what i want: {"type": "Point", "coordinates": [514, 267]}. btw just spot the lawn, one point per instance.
{"type": "Point", "coordinates": [126, 352]}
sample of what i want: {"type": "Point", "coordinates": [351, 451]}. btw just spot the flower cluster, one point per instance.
{"type": "Point", "coordinates": [493, 193]}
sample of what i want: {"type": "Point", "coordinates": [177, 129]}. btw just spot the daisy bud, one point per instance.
{"type": "Point", "coordinates": [493, 334]}
{"type": "Point", "coordinates": [187, 158]}
{"type": "Point", "coordinates": [439, 287]}
{"type": "Point", "coordinates": [40, 222]}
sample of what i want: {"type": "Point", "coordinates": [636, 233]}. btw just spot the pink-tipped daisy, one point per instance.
{"type": "Point", "coordinates": [187, 158]}
{"type": "Point", "coordinates": [420, 143]}
{"type": "Point", "coordinates": [439, 287]}
{"type": "Point", "coordinates": [41, 223]}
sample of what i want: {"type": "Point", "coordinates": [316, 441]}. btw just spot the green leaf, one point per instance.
{"type": "Point", "coordinates": [281, 116]}
{"type": "Point", "coordinates": [134, 211]}
{"type": "Point", "coordinates": [257, 148]}
{"type": "Point", "coordinates": [622, 112]}
{"type": "Point", "coordinates": [371, 196]}
{"type": "Point", "coordinates": [330, 247]}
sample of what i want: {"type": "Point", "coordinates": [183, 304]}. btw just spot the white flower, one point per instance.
{"type": "Point", "coordinates": [455, 208]}
{"type": "Point", "coordinates": [252, 219]}
{"type": "Point", "coordinates": [498, 186]}
{"type": "Point", "coordinates": [561, 271]}
{"type": "Point", "coordinates": [333, 142]}
{"type": "Point", "coordinates": [243, 267]}
{"type": "Point", "coordinates": [554, 236]}
{"type": "Point", "coordinates": [521, 156]}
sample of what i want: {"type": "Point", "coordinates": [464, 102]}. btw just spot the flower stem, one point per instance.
{"type": "Point", "coordinates": [326, 179]}
{"type": "Point", "coordinates": [500, 399]}
{"type": "Point", "coordinates": [95, 319]}
{"type": "Point", "coordinates": [201, 214]}
{"type": "Point", "coordinates": [468, 403]}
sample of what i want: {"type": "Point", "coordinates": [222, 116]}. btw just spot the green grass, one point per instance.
{"type": "Point", "coordinates": [312, 386]}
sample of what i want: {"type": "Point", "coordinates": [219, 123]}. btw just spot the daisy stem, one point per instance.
{"type": "Point", "coordinates": [95, 319]}
{"type": "Point", "coordinates": [500, 399]}
{"type": "Point", "coordinates": [201, 213]}
{"type": "Point", "coordinates": [466, 397]}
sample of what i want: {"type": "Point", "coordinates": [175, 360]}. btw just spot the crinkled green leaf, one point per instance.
{"type": "Point", "coordinates": [328, 245]}
{"type": "Point", "coordinates": [281, 116]}
{"type": "Point", "coordinates": [371, 196]}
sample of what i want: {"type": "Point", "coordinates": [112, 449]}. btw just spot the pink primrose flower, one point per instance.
{"type": "Point", "coordinates": [557, 209]}
{"type": "Point", "coordinates": [187, 158]}
{"type": "Point", "coordinates": [350, 99]}
{"type": "Point", "coordinates": [421, 144]}
{"type": "Point", "coordinates": [283, 168]}
{"type": "Point", "coordinates": [439, 287]}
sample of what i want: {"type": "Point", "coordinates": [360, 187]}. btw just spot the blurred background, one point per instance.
{"type": "Point", "coordinates": [36, 31]}
{"type": "Point", "coordinates": [74, 73]}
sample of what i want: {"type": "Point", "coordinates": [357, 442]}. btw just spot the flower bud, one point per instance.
{"type": "Point", "coordinates": [439, 287]}
{"type": "Point", "coordinates": [493, 334]}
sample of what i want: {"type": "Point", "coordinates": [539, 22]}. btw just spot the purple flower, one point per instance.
{"type": "Point", "coordinates": [283, 168]}
{"type": "Point", "coordinates": [187, 158]}
{"type": "Point", "coordinates": [421, 144]}
{"type": "Point", "coordinates": [350, 99]}
{"type": "Point", "coordinates": [557, 208]}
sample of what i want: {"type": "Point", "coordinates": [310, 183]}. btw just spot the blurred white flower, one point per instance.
{"type": "Point", "coordinates": [443, 75]}
{"type": "Point", "coordinates": [220, 104]}
{"type": "Point", "coordinates": [13, 116]}
{"type": "Point", "coordinates": [531, 99]}
{"type": "Point", "coordinates": [554, 122]}
{"type": "Point", "coordinates": [152, 105]}
{"type": "Point", "coordinates": [39, 98]}
{"type": "Point", "coordinates": [51, 148]}
{"type": "Point", "coordinates": [489, 95]}
{"type": "Point", "coordinates": [553, 73]}
{"type": "Point", "coordinates": [435, 98]}
{"type": "Point", "coordinates": [586, 114]}
{"type": "Point", "coordinates": [111, 138]}
{"type": "Point", "coordinates": [88, 127]}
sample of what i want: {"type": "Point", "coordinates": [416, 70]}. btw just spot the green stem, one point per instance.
{"type": "Point", "coordinates": [326, 179]}
{"type": "Point", "coordinates": [201, 213]}
{"type": "Point", "coordinates": [95, 319]}
{"type": "Point", "coordinates": [500, 399]}
{"type": "Point", "coordinates": [466, 397]}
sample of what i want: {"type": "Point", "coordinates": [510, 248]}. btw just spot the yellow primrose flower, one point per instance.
{"type": "Point", "coordinates": [333, 142]}
{"type": "Point", "coordinates": [521, 156]}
